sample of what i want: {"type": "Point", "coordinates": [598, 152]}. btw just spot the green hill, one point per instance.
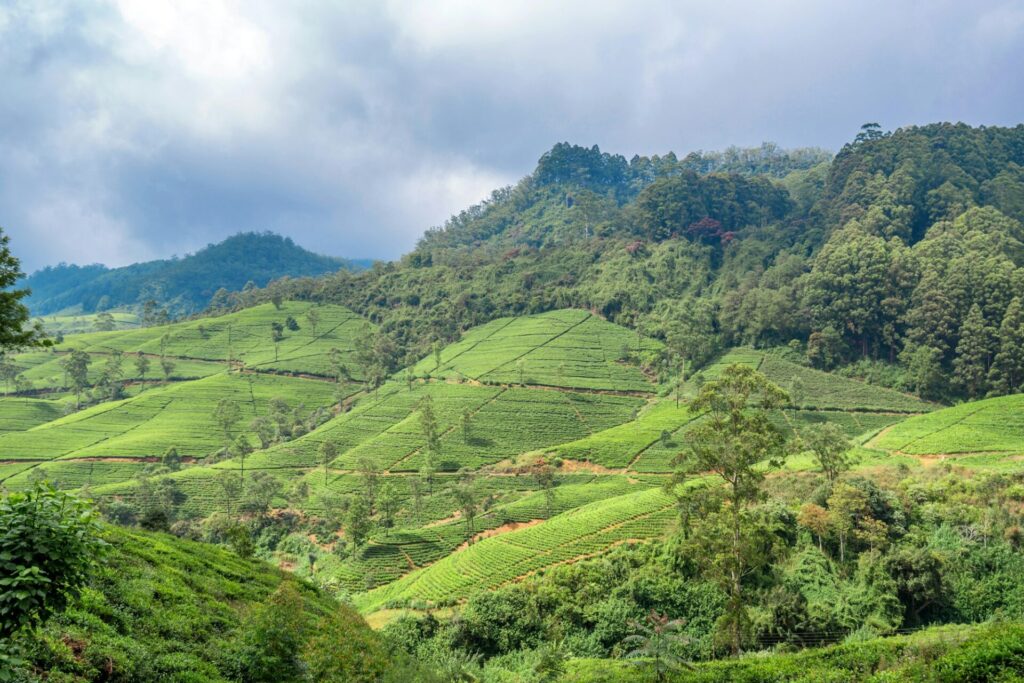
{"type": "Point", "coordinates": [159, 608]}
{"type": "Point", "coordinates": [185, 285]}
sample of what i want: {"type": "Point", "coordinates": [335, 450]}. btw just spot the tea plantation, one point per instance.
{"type": "Point", "coordinates": [556, 423]}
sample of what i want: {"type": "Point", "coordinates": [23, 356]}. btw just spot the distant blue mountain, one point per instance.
{"type": "Point", "coordinates": [183, 285]}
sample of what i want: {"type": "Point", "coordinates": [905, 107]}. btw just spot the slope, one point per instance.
{"type": "Point", "coordinates": [163, 608]}
{"type": "Point", "coordinates": [989, 431]}
{"type": "Point", "coordinates": [109, 441]}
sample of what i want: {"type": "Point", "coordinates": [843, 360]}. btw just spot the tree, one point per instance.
{"type": "Point", "coordinates": [357, 521]}
{"type": "Point", "coordinates": [657, 642]}
{"type": "Point", "coordinates": [240, 448]}
{"type": "Point", "coordinates": [277, 299]}
{"type": "Point", "coordinates": [227, 414]}
{"type": "Point", "coordinates": [276, 332]}
{"type": "Point", "coordinates": [48, 543]}
{"type": "Point", "coordinates": [735, 442]}
{"type": "Point", "coordinates": [14, 314]}
{"type": "Point", "coordinates": [387, 505]}
{"type": "Point", "coordinates": [328, 452]}
{"type": "Point", "coordinates": [270, 640]}
{"type": "Point", "coordinates": [369, 473]}
{"type": "Point", "coordinates": [1006, 375]}
{"type": "Point", "coordinates": [436, 350]}
{"type": "Point", "coordinates": [260, 493]}
{"type": "Point", "coordinates": [970, 369]}
{"type": "Point", "coordinates": [830, 448]}
{"type": "Point", "coordinates": [266, 429]}
{"type": "Point", "coordinates": [545, 476]}
{"type": "Point", "coordinates": [416, 493]}
{"type": "Point", "coordinates": [112, 373]}
{"type": "Point", "coordinates": [464, 492]}
{"type": "Point", "coordinates": [428, 424]}
{"type": "Point", "coordinates": [847, 506]}
{"type": "Point", "coordinates": [141, 365]}
{"type": "Point", "coordinates": [105, 322]}
{"type": "Point", "coordinates": [76, 366]}
{"type": "Point", "coordinates": [925, 375]}
{"type": "Point", "coordinates": [291, 323]}
{"type": "Point", "coordinates": [814, 518]}
{"type": "Point", "coordinates": [171, 460]}
{"type": "Point", "coordinates": [313, 318]}
{"type": "Point", "coordinates": [167, 366]}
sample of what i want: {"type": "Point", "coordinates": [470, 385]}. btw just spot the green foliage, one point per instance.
{"type": "Point", "coordinates": [48, 543]}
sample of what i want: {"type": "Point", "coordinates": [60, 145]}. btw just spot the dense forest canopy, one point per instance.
{"type": "Point", "coordinates": [878, 256]}
{"type": "Point", "coordinates": [183, 285]}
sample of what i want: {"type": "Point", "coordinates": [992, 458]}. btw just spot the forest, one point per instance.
{"type": "Point", "coordinates": [750, 415]}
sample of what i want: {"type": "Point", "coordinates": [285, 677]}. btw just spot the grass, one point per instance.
{"type": "Point", "coordinates": [992, 425]}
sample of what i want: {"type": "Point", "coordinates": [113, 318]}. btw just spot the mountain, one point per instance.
{"type": "Point", "coordinates": [873, 261]}
{"type": "Point", "coordinates": [183, 285]}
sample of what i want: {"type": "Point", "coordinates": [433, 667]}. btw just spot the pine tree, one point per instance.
{"type": "Point", "coordinates": [1006, 375]}
{"type": "Point", "coordinates": [973, 354]}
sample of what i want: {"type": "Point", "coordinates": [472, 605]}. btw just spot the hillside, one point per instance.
{"type": "Point", "coordinates": [163, 608]}
{"type": "Point", "coordinates": [778, 403]}
{"type": "Point", "coordinates": [182, 285]}
{"type": "Point", "coordinates": [873, 261]}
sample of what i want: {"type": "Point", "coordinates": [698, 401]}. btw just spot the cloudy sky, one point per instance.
{"type": "Point", "coordinates": [137, 129]}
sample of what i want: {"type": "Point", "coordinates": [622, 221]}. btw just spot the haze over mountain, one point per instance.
{"type": "Point", "coordinates": [184, 285]}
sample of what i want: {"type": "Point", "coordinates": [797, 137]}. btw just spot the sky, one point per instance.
{"type": "Point", "coordinates": [139, 129]}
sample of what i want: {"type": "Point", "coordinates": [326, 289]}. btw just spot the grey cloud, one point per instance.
{"type": "Point", "coordinates": [134, 129]}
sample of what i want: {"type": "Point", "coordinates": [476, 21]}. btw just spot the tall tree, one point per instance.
{"type": "Point", "coordinates": [1006, 375]}
{"type": "Point", "coordinates": [735, 442]}
{"type": "Point", "coordinates": [14, 315]}
{"type": "Point", "coordinates": [328, 452]}
{"type": "Point", "coordinates": [830, 447]}
{"type": "Point", "coordinates": [227, 414]}
{"type": "Point", "coordinates": [973, 353]}
{"type": "Point", "coordinates": [76, 366]}
{"type": "Point", "coordinates": [141, 365]}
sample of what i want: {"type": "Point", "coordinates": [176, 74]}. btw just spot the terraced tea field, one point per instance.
{"type": "Point", "coordinates": [562, 387]}
{"type": "Point", "coordinates": [994, 425]}
{"type": "Point", "coordinates": [489, 563]}
{"type": "Point", "coordinates": [145, 426]}
{"type": "Point", "coordinates": [566, 348]}
{"type": "Point", "coordinates": [18, 414]}
{"type": "Point", "coordinates": [245, 337]}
